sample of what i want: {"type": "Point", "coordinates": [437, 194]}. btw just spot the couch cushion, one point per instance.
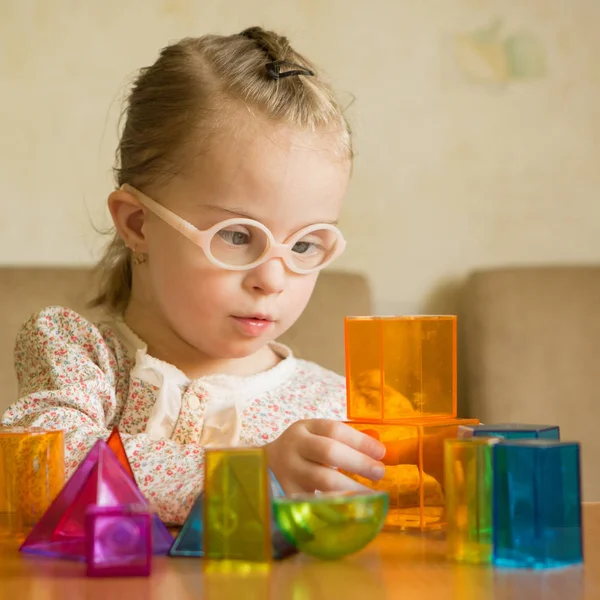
{"type": "Point", "coordinates": [532, 341]}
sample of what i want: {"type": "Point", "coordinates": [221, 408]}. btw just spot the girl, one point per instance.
{"type": "Point", "coordinates": [232, 167]}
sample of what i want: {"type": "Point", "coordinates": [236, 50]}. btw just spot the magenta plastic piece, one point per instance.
{"type": "Point", "coordinates": [99, 480]}
{"type": "Point", "coordinates": [118, 541]}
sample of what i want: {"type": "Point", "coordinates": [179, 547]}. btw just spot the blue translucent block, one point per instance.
{"type": "Point", "coordinates": [537, 504]}
{"type": "Point", "coordinates": [517, 431]}
{"type": "Point", "coordinates": [189, 542]}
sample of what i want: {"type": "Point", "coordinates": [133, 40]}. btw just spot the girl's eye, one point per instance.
{"type": "Point", "coordinates": [234, 237]}
{"type": "Point", "coordinates": [309, 246]}
{"type": "Point", "coordinates": [303, 247]}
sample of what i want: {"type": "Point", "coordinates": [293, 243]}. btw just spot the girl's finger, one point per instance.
{"type": "Point", "coordinates": [348, 436]}
{"type": "Point", "coordinates": [325, 479]}
{"type": "Point", "coordinates": [327, 451]}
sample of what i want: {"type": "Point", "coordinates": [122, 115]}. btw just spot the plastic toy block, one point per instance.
{"type": "Point", "coordinates": [414, 469]}
{"type": "Point", "coordinates": [516, 431]}
{"type": "Point", "coordinates": [190, 541]}
{"type": "Point", "coordinates": [118, 541]}
{"type": "Point", "coordinates": [236, 506]}
{"type": "Point", "coordinates": [468, 481]}
{"type": "Point", "coordinates": [398, 367]}
{"type": "Point", "coordinates": [465, 431]}
{"type": "Point", "coordinates": [32, 473]}
{"type": "Point", "coordinates": [100, 479]}
{"type": "Point", "coordinates": [331, 525]}
{"type": "Point", "coordinates": [115, 443]}
{"type": "Point", "coordinates": [537, 504]}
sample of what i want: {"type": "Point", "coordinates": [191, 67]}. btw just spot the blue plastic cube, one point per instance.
{"type": "Point", "coordinates": [537, 504]}
{"type": "Point", "coordinates": [517, 431]}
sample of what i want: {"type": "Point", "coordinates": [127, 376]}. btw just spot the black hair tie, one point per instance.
{"type": "Point", "coordinates": [274, 69]}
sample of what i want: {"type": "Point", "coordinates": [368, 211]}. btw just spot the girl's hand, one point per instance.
{"type": "Point", "coordinates": [306, 456]}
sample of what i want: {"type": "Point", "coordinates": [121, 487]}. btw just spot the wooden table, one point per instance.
{"type": "Point", "coordinates": [403, 566]}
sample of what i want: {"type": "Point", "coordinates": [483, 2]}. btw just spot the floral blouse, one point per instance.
{"type": "Point", "coordinates": [86, 378]}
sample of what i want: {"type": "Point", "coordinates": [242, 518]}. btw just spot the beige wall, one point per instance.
{"type": "Point", "coordinates": [472, 149]}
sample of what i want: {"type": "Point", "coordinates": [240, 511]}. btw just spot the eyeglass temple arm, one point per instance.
{"type": "Point", "coordinates": [175, 221]}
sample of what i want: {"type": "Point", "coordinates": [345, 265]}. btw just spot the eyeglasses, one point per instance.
{"type": "Point", "coordinates": [242, 244]}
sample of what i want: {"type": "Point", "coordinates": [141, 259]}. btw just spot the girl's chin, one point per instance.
{"type": "Point", "coordinates": [236, 350]}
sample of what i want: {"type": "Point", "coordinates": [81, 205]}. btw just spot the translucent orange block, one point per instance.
{"type": "Point", "coordinates": [236, 508]}
{"type": "Point", "coordinates": [115, 443]}
{"type": "Point", "coordinates": [414, 469]}
{"type": "Point", "coordinates": [469, 476]}
{"type": "Point", "coordinates": [398, 367]}
{"type": "Point", "coordinates": [32, 473]}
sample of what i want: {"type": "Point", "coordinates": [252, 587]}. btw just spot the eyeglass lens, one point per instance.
{"type": "Point", "coordinates": [243, 244]}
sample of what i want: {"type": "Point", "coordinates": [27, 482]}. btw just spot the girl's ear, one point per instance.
{"type": "Point", "coordinates": [128, 216]}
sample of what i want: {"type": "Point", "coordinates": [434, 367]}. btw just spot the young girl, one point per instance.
{"type": "Point", "coordinates": [232, 167]}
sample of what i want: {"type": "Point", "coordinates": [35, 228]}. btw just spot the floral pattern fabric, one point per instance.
{"type": "Point", "coordinates": [79, 376]}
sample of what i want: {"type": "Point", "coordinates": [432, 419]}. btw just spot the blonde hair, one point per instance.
{"type": "Point", "coordinates": [183, 98]}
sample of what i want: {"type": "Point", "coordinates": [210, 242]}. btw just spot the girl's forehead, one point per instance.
{"type": "Point", "coordinates": [272, 151]}
{"type": "Point", "coordinates": [268, 173]}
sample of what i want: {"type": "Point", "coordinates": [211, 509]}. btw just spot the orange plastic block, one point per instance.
{"type": "Point", "coordinates": [115, 443]}
{"type": "Point", "coordinates": [237, 510]}
{"type": "Point", "coordinates": [32, 473]}
{"type": "Point", "coordinates": [414, 473]}
{"type": "Point", "coordinates": [399, 367]}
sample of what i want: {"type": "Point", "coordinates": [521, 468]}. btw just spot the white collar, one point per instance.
{"type": "Point", "coordinates": [230, 385]}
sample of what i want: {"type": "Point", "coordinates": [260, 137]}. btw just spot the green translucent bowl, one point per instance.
{"type": "Point", "coordinates": [331, 525]}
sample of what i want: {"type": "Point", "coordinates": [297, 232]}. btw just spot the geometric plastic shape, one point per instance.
{"type": "Point", "coordinates": [115, 443]}
{"type": "Point", "coordinates": [517, 431]}
{"type": "Point", "coordinates": [465, 432]}
{"type": "Point", "coordinates": [189, 542]}
{"type": "Point", "coordinates": [331, 525]}
{"type": "Point", "coordinates": [398, 367]}
{"type": "Point", "coordinates": [537, 504]}
{"type": "Point", "coordinates": [32, 473]}
{"type": "Point", "coordinates": [414, 469]}
{"type": "Point", "coordinates": [100, 479]}
{"type": "Point", "coordinates": [118, 540]}
{"type": "Point", "coordinates": [282, 546]}
{"type": "Point", "coordinates": [468, 482]}
{"type": "Point", "coordinates": [236, 506]}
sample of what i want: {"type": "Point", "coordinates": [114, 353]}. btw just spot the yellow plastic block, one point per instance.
{"type": "Point", "coordinates": [32, 473]}
{"type": "Point", "coordinates": [398, 367]}
{"type": "Point", "coordinates": [468, 476]}
{"type": "Point", "coordinates": [236, 508]}
{"type": "Point", "coordinates": [414, 473]}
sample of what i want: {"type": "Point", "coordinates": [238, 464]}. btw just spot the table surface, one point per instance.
{"type": "Point", "coordinates": [393, 566]}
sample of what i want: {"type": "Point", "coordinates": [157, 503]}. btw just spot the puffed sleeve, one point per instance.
{"type": "Point", "coordinates": [69, 376]}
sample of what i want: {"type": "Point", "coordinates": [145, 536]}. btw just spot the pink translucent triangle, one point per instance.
{"type": "Point", "coordinates": [102, 480]}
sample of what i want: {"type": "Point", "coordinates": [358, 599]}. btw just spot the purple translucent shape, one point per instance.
{"type": "Point", "coordinates": [118, 541]}
{"type": "Point", "coordinates": [99, 480]}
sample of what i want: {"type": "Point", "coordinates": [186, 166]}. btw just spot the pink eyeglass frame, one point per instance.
{"type": "Point", "coordinates": [202, 238]}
